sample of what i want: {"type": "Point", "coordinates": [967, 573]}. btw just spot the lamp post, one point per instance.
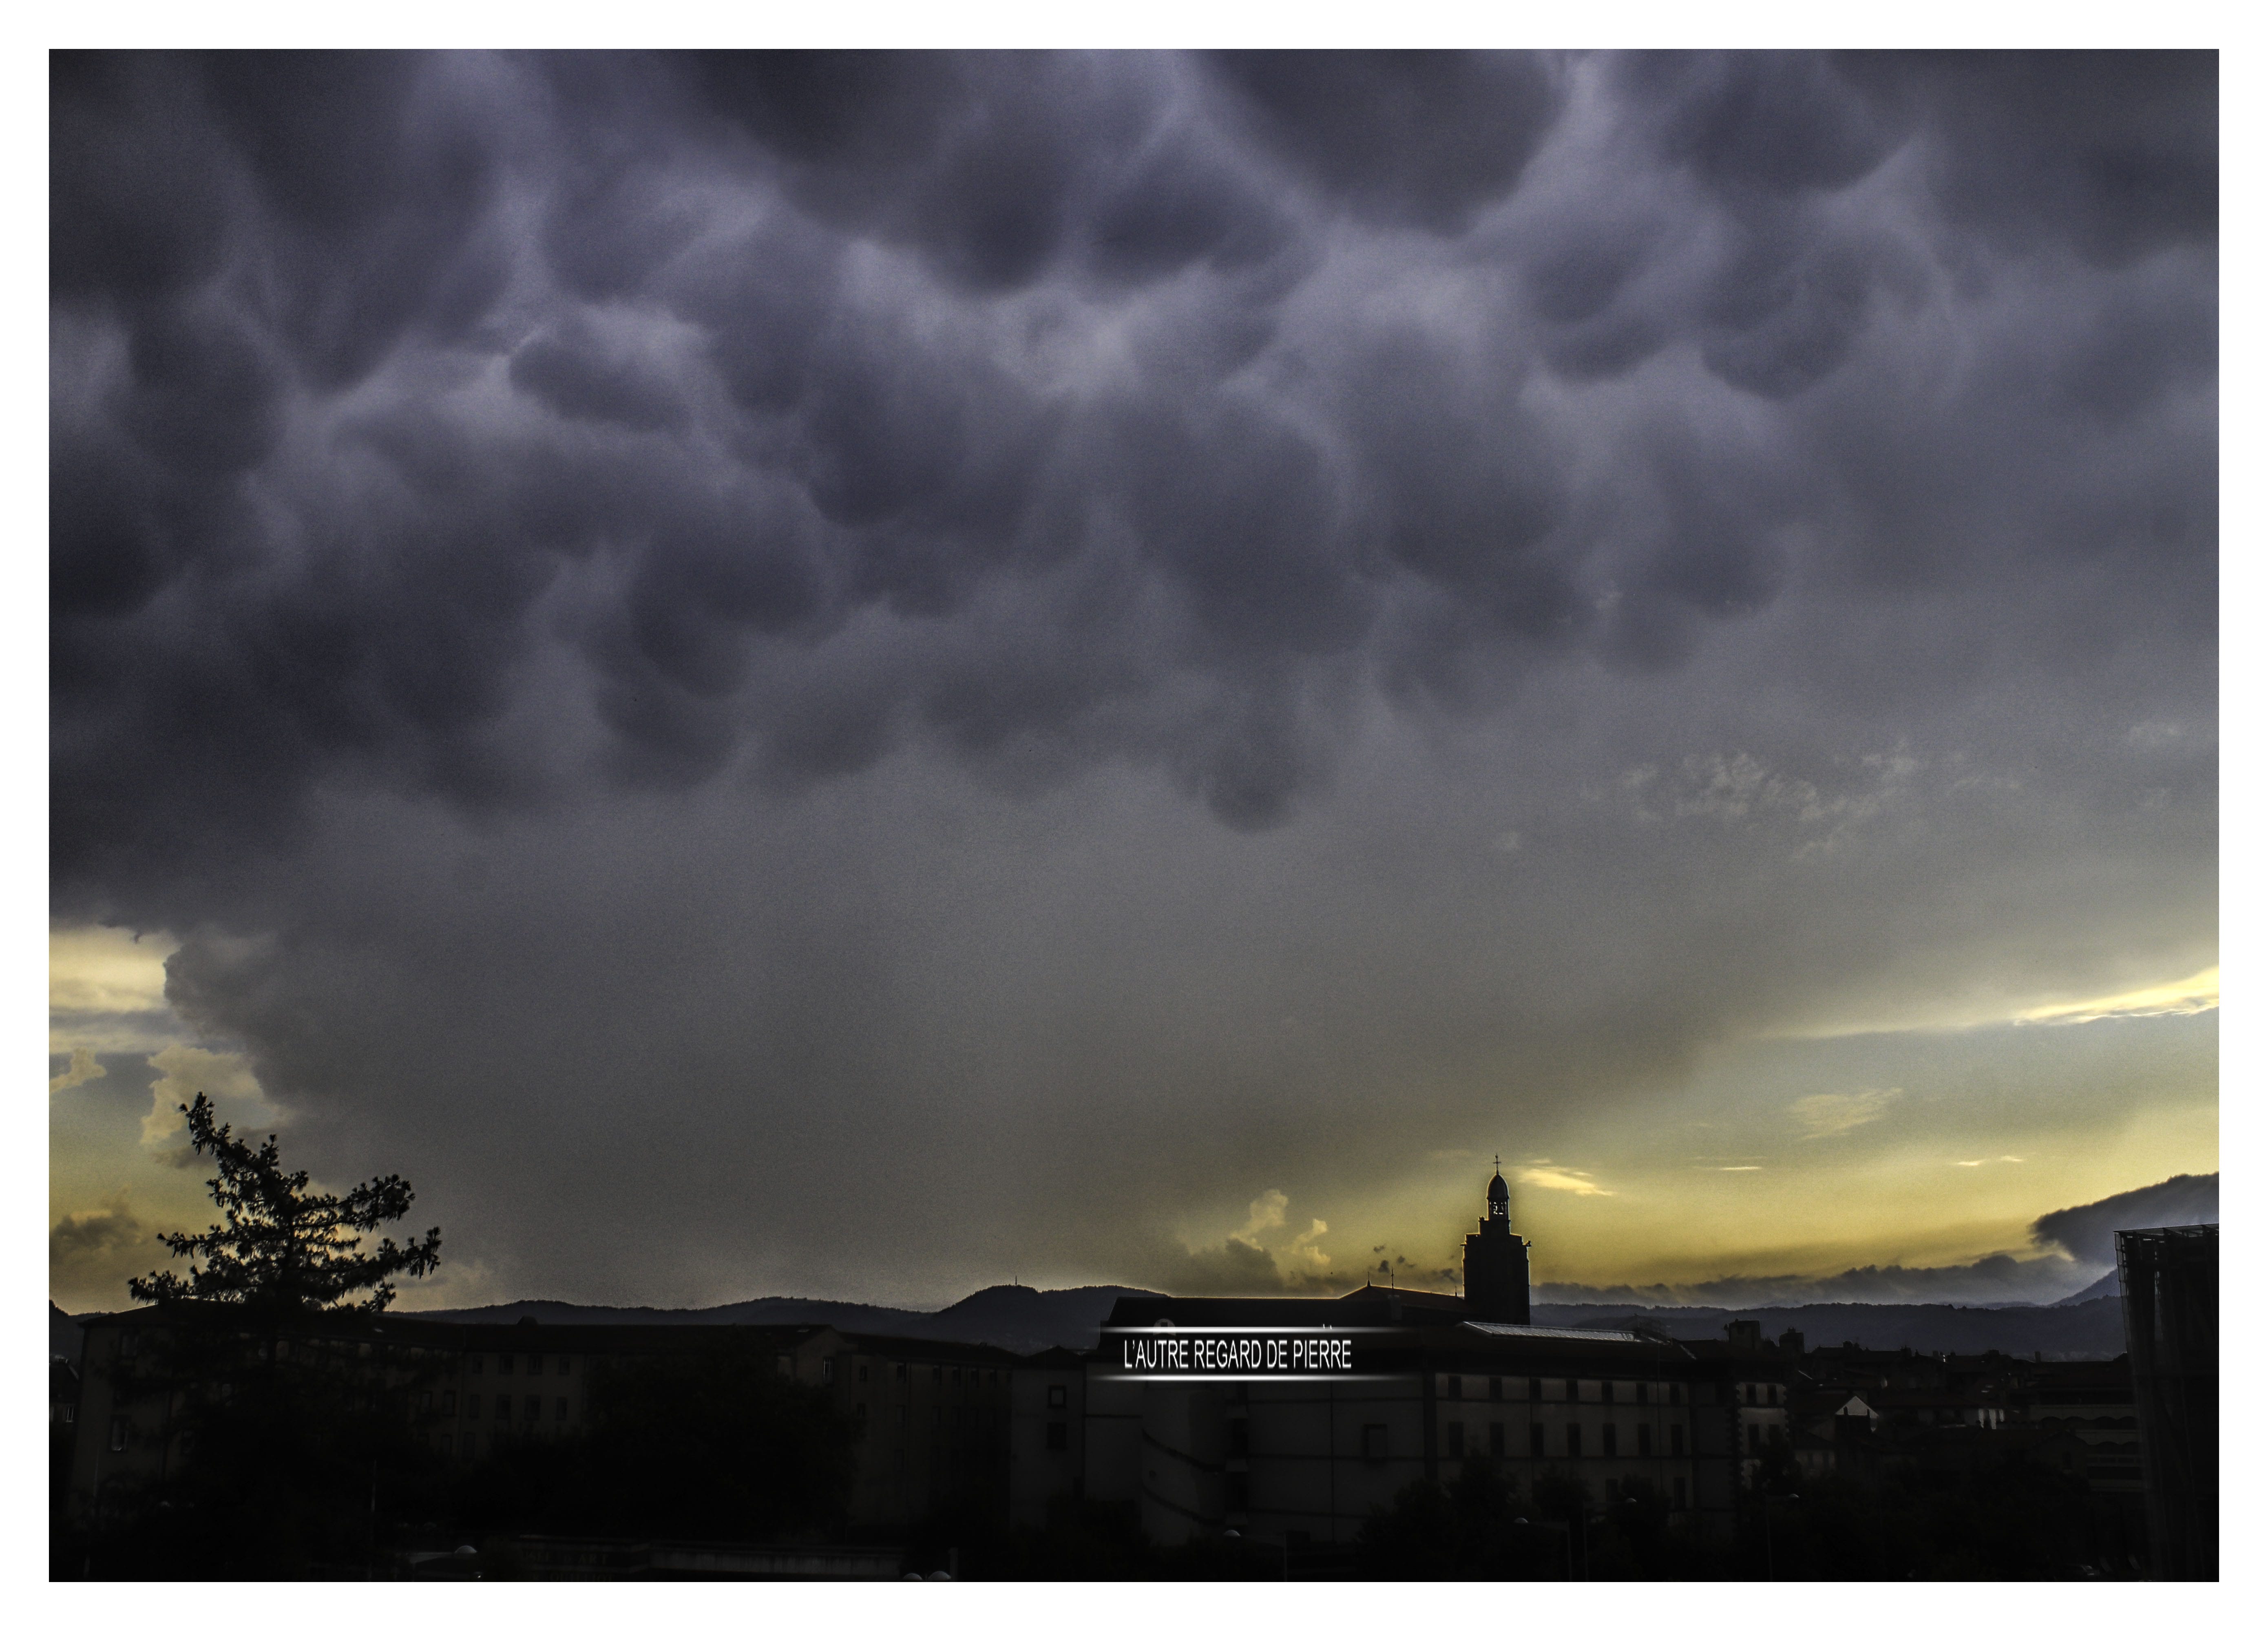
{"type": "Point", "coordinates": [1768, 1501]}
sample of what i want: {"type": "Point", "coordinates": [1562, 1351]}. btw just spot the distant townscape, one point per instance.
{"type": "Point", "coordinates": [997, 1435]}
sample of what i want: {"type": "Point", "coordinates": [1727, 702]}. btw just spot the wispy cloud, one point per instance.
{"type": "Point", "coordinates": [2196, 994]}
{"type": "Point", "coordinates": [1826, 1115]}
{"type": "Point", "coordinates": [1548, 1177]}
{"type": "Point", "coordinates": [1991, 1161]}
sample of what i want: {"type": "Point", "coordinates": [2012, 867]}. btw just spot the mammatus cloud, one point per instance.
{"type": "Point", "coordinates": [956, 593]}
{"type": "Point", "coordinates": [1826, 1115]}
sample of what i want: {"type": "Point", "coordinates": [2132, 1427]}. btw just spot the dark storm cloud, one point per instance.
{"type": "Point", "coordinates": [2090, 1232]}
{"type": "Point", "coordinates": [606, 457]}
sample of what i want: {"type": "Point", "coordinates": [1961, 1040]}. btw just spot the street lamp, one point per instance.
{"type": "Point", "coordinates": [1768, 1501]}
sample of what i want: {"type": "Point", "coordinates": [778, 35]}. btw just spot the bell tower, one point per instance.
{"type": "Point", "coordinates": [1496, 1263]}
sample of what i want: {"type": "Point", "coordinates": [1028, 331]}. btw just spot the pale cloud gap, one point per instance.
{"type": "Point", "coordinates": [1829, 1115]}
{"type": "Point", "coordinates": [1990, 1161]}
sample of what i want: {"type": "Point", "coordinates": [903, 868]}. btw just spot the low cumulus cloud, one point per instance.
{"type": "Point", "coordinates": [660, 615]}
{"type": "Point", "coordinates": [91, 1251]}
{"type": "Point", "coordinates": [83, 1068]}
{"type": "Point", "coordinates": [185, 1072]}
{"type": "Point", "coordinates": [2088, 1232]}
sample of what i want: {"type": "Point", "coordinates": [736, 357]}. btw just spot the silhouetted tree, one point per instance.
{"type": "Point", "coordinates": [287, 1429]}
{"type": "Point", "coordinates": [282, 1251]}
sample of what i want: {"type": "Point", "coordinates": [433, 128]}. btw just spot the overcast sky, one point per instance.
{"type": "Point", "coordinates": [859, 677]}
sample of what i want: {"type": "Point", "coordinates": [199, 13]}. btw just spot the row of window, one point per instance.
{"type": "Point", "coordinates": [1237, 1492]}
{"type": "Point", "coordinates": [1608, 1440]}
{"type": "Point", "coordinates": [532, 1407]}
{"type": "Point", "coordinates": [950, 1374]}
{"type": "Point", "coordinates": [561, 1363]}
{"type": "Point", "coordinates": [1537, 1389]}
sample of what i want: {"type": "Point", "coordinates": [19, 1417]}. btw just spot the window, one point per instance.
{"type": "Point", "coordinates": [1535, 1438]}
{"type": "Point", "coordinates": [1638, 1391]}
{"type": "Point", "coordinates": [472, 1445]}
{"type": "Point", "coordinates": [448, 1404]}
{"type": "Point", "coordinates": [937, 1373]}
{"type": "Point", "coordinates": [826, 1370]}
{"type": "Point", "coordinates": [1607, 1391]}
{"type": "Point", "coordinates": [1373, 1441]}
{"type": "Point", "coordinates": [901, 1373]}
{"type": "Point", "coordinates": [1752, 1392]}
{"type": "Point", "coordinates": [1495, 1387]}
{"type": "Point", "coordinates": [1496, 1440]}
{"type": "Point", "coordinates": [956, 1378]}
{"type": "Point", "coordinates": [1676, 1439]}
{"type": "Point", "coordinates": [1756, 1438]}
{"type": "Point", "coordinates": [1056, 1395]}
{"type": "Point", "coordinates": [1452, 1440]}
{"type": "Point", "coordinates": [536, 1365]}
{"type": "Point", "coordinates": [532, 1408]}
{"type": "Point", "coordinates": [862, 1410]}
{"type": "Point", "coordinates": [563, 1366]}
{"type": "Point", "coordinates": [1677, 1494]}
{"type": "Point", "coordinates": [503, 1364]}
{"type": "Point", "coordinates": [1574, 1390]}
{"type": "Point", "coordinates": [362, 1351]}
{"type": "Point", "coordinates": [1058, 1434]}
{"type": "Point", "coordinates": [1645, 1439]}
{"type": "Point", "coordinates": [1240, 1492]}
{"type": "Point", "coordinates": [472, 1364]}
{"type": "Point", "coordinates": [1455, 1385]}
{"type": "Point", "coordinates": [902, 1415]}
{"type": "Point", "coordinates": [1607, 1440]}
{"type": "Point", "coordinates": [862, 1373]}
{"type": "Point", "coordinates": [472, 1406]}
{"type": "Point", "coordinates": [122, 1432]}
{"type": "Point", "coordinates": [1574, 1438]}
{"type": "Point", "coordinates": [1240, 1435]}
{"type": "Point", "coordinates": [559, 1410]}
{"type": "Point", "coordinates": [1534, 1388]}
{"type": "Point", "coordinates": [425, 1403]}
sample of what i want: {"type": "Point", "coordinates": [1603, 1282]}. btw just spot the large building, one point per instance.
{"type": "Point", "coordinates": [1447, 1380]}
{"type": "Point", "coordinates": [934, 1417]}
{"type": "Point", "coordinates": [2170, 1281]}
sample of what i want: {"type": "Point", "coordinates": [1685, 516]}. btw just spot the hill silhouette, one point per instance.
{"type": "Point", "coordinates": [1020, 1318]}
